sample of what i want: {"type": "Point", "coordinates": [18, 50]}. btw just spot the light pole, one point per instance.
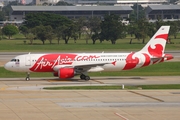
{"type": "Point", "coordinates": [137, 10]}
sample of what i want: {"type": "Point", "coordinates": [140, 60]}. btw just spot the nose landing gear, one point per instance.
{"type": "Point", "coordinates": [28, 76]}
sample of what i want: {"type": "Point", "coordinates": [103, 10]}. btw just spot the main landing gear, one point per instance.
{"type": "Point", "coordinates": [28, 77]}
{"type": "Point", "coordinates": [84, 77]}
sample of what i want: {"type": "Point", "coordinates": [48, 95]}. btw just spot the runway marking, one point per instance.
{"type": "Point", "coordinates": [98, 81]}
{"type": "Point", "coordinates": [121, 116]}
{"type": "Point", "coordinates": [147, 96]}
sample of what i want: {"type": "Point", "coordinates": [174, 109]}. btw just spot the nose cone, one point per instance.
{"type": "Point", "coordinates": [168, 56]}
{"type": "Point", "coordinates": [7, 66]}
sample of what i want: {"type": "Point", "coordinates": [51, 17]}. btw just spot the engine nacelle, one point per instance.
{"type": "Point", "coordinates": [65, 73]}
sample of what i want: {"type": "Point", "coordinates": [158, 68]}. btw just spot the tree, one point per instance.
{"type": "Point", "coordinates": [80, 23]}
{"type": "Point", "coordinates": [75, 37]}
{"type": "Point", "coordinates": [94, 27]}
{"type": "Point", "coordinates": [24, 30]}
{"type": "Point", "coordinates": [131, 29]}
{"type": "Point", "coordinates": [151, 29]}
{"type": "Point", "coordinates": [41, 32]}
{"type": "Point", "coordinates": [159, 23]}
{"type": "Point", "coordinates": [50, 34]}
{"type": "Point", "coordinates": [112, 28]}
{"type": "Point", "coordinates": [174, 28]}
{"type": "Point", "coordinates": [87, 26]}
{"type": "Point", "coordinates": [62, 3]}
{"type": "Point", "coordinates": [142, 30]}
{"type": "Point", "coordinates": [95, 37]}
{"type": "Point", "coordinates": [68, 31]}
{"type": "Point", "coordinates": [58, 32]}
{"type": "Point", "coordinates": [10, 30]}
{"type": "Point", "coordinates": [54, 20]}
{"type": "Point", "coordinates": [1, 34]}
{"type": "Point", "coordinates": [31, 37]}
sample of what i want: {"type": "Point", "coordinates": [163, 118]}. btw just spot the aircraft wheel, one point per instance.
{"type": "Point", "coordinates": [87, 78]}
{"type": "Point", "coordinates": [27, 78]}
{"type": "Point", "coordinates": [82, 76]}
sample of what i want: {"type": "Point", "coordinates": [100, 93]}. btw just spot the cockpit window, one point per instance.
{"type": "Point", "coordinates": [15, 60]}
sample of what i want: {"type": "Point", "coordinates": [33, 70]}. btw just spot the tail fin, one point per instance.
{"type": "Point", "coordinates": [157, 43]}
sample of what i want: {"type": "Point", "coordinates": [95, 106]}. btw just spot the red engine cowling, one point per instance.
{"type": "Point", "coordinates": [65, 73]}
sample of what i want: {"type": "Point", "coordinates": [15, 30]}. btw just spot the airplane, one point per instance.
{"type": "Point", "coordinates": [67, 65]}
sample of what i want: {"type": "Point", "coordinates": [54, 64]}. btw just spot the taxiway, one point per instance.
{"type": "Point", "coordinates": [26, 100]}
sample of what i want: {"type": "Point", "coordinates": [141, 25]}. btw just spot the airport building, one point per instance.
{"type": "Point", "coordinates": [40, 2]}
{"type": "Point", "coordinates": [163, 12]}
{"type": "Point", "coordinates": [153, 12]}
{"type": "Point", "coordinates": [115, 2]}
{"type": "Point", "coordinates": [96, 2]}
{"type": "Point", "coordinates": [18, 12]}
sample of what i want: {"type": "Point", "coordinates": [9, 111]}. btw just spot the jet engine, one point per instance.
{"type": "Point", "coordinates": [65, 73]}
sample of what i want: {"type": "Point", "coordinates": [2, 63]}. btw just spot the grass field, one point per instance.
{"type": "Point", "coordinates": [17, 45]}
{"type": "Point", "coordinates": [144, 87]}
{"type": "Point", "coordinates": [162, 69]}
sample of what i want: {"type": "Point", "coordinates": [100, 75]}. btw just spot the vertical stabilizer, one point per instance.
{"type": "Point", "coordinates": [157, 43]}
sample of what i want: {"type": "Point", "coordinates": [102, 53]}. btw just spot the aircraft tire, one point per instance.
{"type": "Point", "coordinates": [82, 76]}
{"type": "Point", "coordinates": [87, 78]}
{"type": "Point", "coordinates": [27, 78]}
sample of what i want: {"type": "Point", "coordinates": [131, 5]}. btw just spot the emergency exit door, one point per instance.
{"type": "Point", "coordinates": [28, 61]}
